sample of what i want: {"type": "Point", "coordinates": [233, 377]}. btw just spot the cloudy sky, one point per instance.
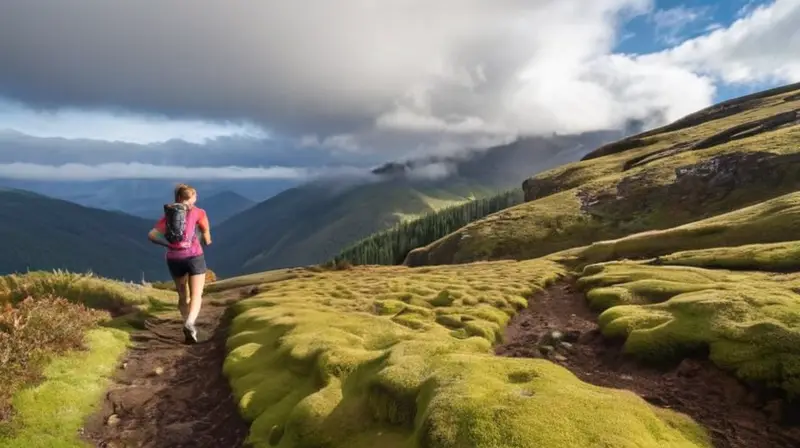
{"type": "Point", "coordinates": [278, 89]}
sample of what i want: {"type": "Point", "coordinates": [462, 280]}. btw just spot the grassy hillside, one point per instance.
{"type": "Point", "coordinates": [391, 246]}
{"type": "Point", "coordinates": [686, 242]}
{"type": "Point", "coordinates": [309, 224]}
{"type": "Point", "coordinates": [713, 163]}
{"type": "Point", "coordinates": [41, 233]}
{"type": "Point", "coordinates": [312, 223]}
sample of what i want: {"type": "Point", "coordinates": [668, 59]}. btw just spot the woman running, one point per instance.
{"type": "Point", "coordinates": [177, 230]}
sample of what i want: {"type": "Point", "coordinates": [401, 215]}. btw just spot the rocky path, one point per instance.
{"type": "Point", "coordinates": [558, 325]}
{"type": "Point", "coordinates": [167, 394]}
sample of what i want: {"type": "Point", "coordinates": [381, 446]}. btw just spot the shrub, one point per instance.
{"type": "Point", "coordinates": [31, 333]}
{"type": "Point", "coordinates": [95, 292]}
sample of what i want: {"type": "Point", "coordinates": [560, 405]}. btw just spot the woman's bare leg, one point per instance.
{"type": "Point", "coordinates": [196, 284]}
{"type": "Point", "coordinates": [183, 295]}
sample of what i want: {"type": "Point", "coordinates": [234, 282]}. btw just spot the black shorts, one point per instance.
{"type": "Point", "coordinates": [192, 266]}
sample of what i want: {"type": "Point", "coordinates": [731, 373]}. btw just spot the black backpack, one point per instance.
{"type": "Point", "coordinates": [176, 221]}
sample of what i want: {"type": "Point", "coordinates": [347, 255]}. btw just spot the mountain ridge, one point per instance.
{"type": "Point", "coordinates": [334, 213]}
{"type": "Point", "coordinates": [75, 237]}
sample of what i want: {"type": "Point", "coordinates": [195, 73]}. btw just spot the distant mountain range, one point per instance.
{"type": "Point", "coordinates": [302, 225]}
{"type": "Point", "coordinates": [145, 197]}
{"type": "Point", "coordinates": [42, 233]}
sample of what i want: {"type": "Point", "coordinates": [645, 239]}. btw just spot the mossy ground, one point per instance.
{"type": "Point", "coordinates": [50, 412]}
{"type": "Point", "coordinates": [402, 357]}
{"type": "Point", "coordinates": [749, 322]}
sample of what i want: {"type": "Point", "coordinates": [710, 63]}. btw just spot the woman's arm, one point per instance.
{"type": "Point", "coordinates": [156, 234]}
{"type": "Point", "coordinates": [205, 228]}
{"type": "Point", "coordinates": [157, 237]}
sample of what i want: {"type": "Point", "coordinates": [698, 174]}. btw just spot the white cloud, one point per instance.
{"type": "Point", "coordinates": [399, 76]}
{"type": "Point", "coordinates": [671, 23]}
{"type": "Point", "coordinates": [432, 171]}
{"type": "Point", "coordinates": [761, 47]}
{"type": "Point", "coordinates": [116, 126]}
{"type": "Point", "coordinates": [347, 72]}
{"type": "Point", "coordinates": [77, 171]}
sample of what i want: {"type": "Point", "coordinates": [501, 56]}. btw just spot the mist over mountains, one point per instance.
{"type": "Point", "coordinates": [310, 223]}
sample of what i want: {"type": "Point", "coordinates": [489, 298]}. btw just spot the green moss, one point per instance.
{"type": "Point", "coordinates": [255, 279]}
{"type": "Point", "coordinates": [773, 220]}
{"type": "Point", "coordinates": [450, 320]}
{"type": "Point", "coordinates": [50, 414]}
{"type": "Point", "coordinates": [386, 307]}
{"type": "Point", "coordinates": [777, 257]}
{"type": "Point", "coordinates": [444, 298]}
{"type": "Point", "coordinates": [427, 380]}
{"type": "Point", "coordinates": [748, 321]}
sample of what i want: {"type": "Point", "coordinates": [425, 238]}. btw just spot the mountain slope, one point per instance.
{"type": "Point", "coordinates": [223, 205]}
{"type": "Point", "coordinates": [41, 233]}
{"type": "Point", "coordinates": [311, 223]}
{"type": "Point", "coordinates": [710, 164]}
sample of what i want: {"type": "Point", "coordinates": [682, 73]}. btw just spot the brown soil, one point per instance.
{"type": "Point", "coordinates": [167, 394]}
{"type": "Point", "coordinates": [734, 414]}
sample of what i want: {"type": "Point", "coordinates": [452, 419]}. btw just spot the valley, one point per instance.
{"type": "Point", "coordinates": [644, 294]}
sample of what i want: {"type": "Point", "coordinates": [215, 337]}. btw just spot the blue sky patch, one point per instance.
{"type": "Point", "coordinates": [671, 22]}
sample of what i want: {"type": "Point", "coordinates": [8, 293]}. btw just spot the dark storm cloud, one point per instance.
{"type": "Point", "coordinates": [419, 74]}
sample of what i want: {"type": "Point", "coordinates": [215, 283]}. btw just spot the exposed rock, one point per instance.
{"type": "Point", "coordinates": [572, 336]}
{"type": "Point", "coordinates": [695, 185]}
{"type": "Point", "coordinates": [556, 335]}
{"type": "Point", "coordinates": [112, 420]}
{"type": "Point", "coordinates": [749, 129]}
{"type": "Point", "coordinates": [715, 178]}
{"type": "Point", "coordinates": [417, 257]}
{"type": "Point", "coordinates": [546, 349]}
{"type": "Point", "coordinates": [559, 357]}
{"type": "Point", "coordinates": [534, 188]}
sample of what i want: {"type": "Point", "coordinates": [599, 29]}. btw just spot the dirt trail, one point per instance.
{"type": "Point", "coordinates": [167, 394]}
{"type": "Point", "coordinates": [735, 416]}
